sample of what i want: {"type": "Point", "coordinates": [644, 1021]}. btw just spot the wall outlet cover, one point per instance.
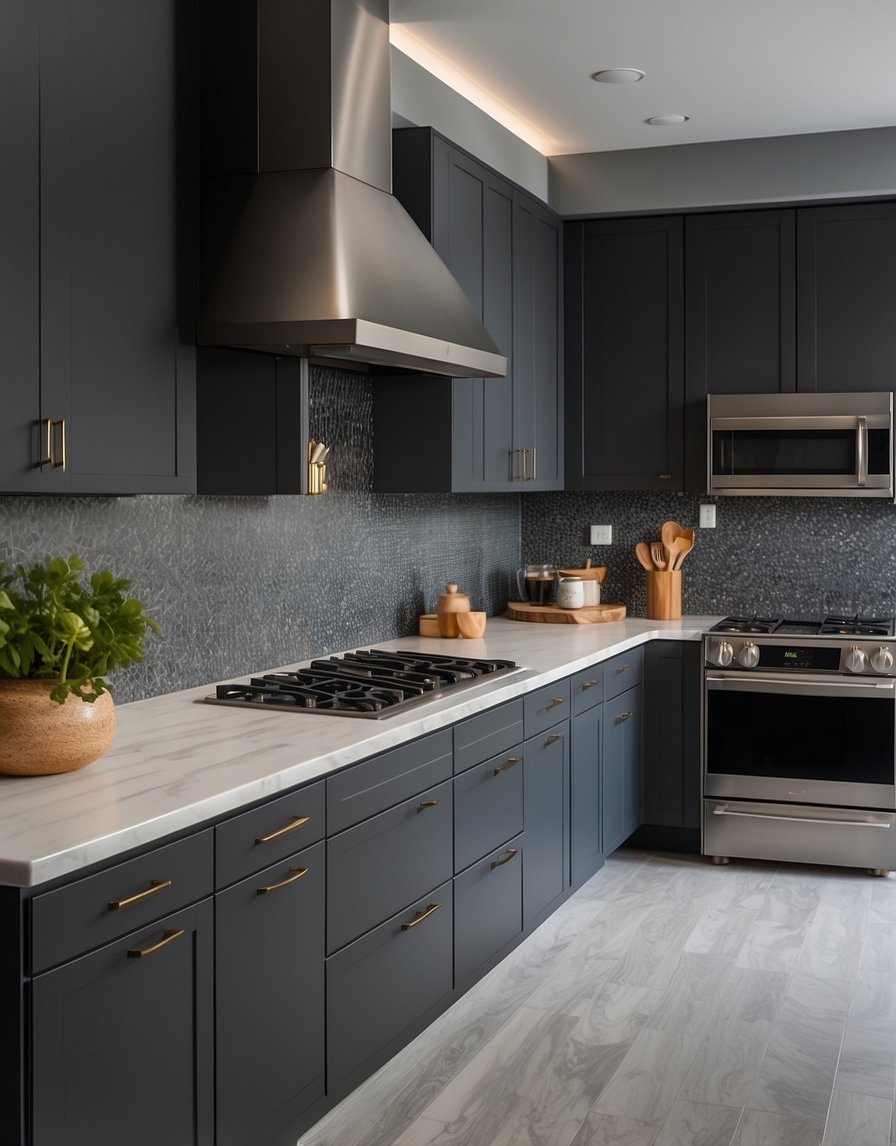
{"type": "Point", "coordinates": [707, 517]}
{"type": "Point", "coordinates": [601, 535]}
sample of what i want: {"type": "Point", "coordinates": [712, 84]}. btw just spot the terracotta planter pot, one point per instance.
{"type": "Point", "coordinates": [39, 737]}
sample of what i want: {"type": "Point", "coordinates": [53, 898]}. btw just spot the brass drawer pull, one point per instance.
{"type": "Point", "coordinates": [506, 858]}
{"type": "Point", "coordinates": [420, 916]}
{"type": "Point", "coordinates": [510, 762]}
{"type": "Point", "coordinates": [142, 952]}
{"type": "Point", "coordinates": [294, 874]}
{"type": "Point", "coordinates": [664, 477]}
{"type": "Point", "coordinates": [553, 703]}
{"type": "Point", "coordinates": [623, 716]}
{"type": "Point", "coordinates": [589, 684]}
{"type": "Point", "coordinates": [154, 888]}
{"type": "Point", "coordinates": [554, 737]}
{"type": "Point", "coordinates": [297, 822]}
{"type": "Point", "coordinates": [623, 668]}
{"type": "Point", "coordinates": [424, 804]}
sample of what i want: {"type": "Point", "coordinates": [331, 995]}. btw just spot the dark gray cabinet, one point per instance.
{"type": "Point", "coordinates": [97, 225]}
{"type": "Point", "coordinates": [546, 802]}
{"type": "Point", "coordinates": [585, 846]}
{"type": "Point", "coordinates": [672, 734]}
{"type": "Point", "coordinates": [624, 377]}
{"type": "Point", "coordinates": [504, 248]}
{"type": "Point", "coordinates": [621, 763]}
{"type": "Point", "coordinates": [488, 911]}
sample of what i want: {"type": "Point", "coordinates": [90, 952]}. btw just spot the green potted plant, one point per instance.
{"type": "Point", "coordinates": [60, 637]}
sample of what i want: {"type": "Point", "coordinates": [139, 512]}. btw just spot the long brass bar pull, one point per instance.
{"type": "Point", "coordinates": [59, 460]}
{"type": "Point", "coordinates": [509, 763]}
{"type": "Point", "coordinates": [154, 888]}
{"type": "Point", "coordinates": [555, 701]}
{"type": "Point", "coordinates": [424, 804]}
{"type": "Point", "coordinates": [45, 442]}
{"type": "Point", "coordinates": [420, 916]}
{"type": "Point", "coordinates": [296, 822]}
{"type": "Point", "coordinates": [295, 874]}
{"type": "Point", "coordinates": [554, 737]}
{"type": "Point", "coordinates": [623, 716]}
{"type": "Point", "coordinates": [589, 684]}
{"type": "Point", "coordinates": [506, 858]}
{"type": "Point", "coordinates": [142, 952]}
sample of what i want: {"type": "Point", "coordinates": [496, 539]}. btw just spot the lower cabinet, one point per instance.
{"type": "Point", "coordinates": [672, 734]}
{"type": "Point", "coordinates": [585, 846]}
{"type": "Point", "coordinates": [621, 771]}
{"type": "Point", "coordinates": [488, 911]}
{"type": "Point", "coordinates": [546, 800]}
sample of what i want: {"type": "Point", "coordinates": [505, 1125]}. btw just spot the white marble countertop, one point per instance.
{"type": "Point", "coordinates": [176, 762]}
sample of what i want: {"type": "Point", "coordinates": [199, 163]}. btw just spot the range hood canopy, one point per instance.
{"type": "Point", "coordinates": [307, 253]}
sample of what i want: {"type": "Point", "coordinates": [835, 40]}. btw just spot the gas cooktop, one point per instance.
{"type": "Point", "coordinates": [371, 683]}
{"type": "Point", "coordinates": [855, 626]}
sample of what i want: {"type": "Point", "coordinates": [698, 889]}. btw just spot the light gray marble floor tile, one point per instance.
{"type": "Point", "coordinates": [762, 1128]}
{"type": "Point", "coordinates": [883, 900]}
{"type": "Point", "coordinates": [858, 1120]}
{"type": "Point", "coordinates": [835, 938]}
{"type": "Point", "coordinates": [649, 1077]}
{"type": "Point", "coordinates": [773, 945]}
{"type": "Point", "coordinates": [745, 884]}
{"type": "Point", "coordinates": [722, 929]}
{"type": "Point", "coordinates": [879, 952]}
{"type": "Point", "coordinates": [422, 1132]}
{"type": "Point", "coordinates": [873, 996]}
{"type": "Point", "coordinates": [694, 1124]}
{"type": "Point", "coordinates": [611, 1130]}
{"type": "Point", "coordinates": [691, 999]}
{"type": "Point", "coordinates": [868, 1058]}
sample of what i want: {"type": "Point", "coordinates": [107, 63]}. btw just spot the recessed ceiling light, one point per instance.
{"type": "Point", "coordinates": [618, 75]}
{"type": "Point", "coordinates": [667, 120]}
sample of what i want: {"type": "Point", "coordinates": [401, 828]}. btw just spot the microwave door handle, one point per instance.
{"type": "Point", "coordinates": [862, 450]}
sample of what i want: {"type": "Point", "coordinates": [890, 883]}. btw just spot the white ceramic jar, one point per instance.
{"type": "Point", "coordinates": [570, 593]}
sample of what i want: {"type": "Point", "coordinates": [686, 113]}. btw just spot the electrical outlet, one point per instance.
{"type": "Point", "coordinates": [707, 517]}
{"type": "Point", "coordinates": [601, 535]}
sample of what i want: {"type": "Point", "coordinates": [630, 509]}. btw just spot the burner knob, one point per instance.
{"type": "Point", "coordinates": [855, 659]}
{"type": "Point", "coordinates": [748, 657]}
{"type": "Point", "coordinates": [882, 660]}
{"type": "Point", "coordinates": [721, 653]}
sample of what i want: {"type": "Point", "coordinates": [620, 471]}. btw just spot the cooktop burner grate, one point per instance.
{"type": "Point", "coordinates": [854, 626]}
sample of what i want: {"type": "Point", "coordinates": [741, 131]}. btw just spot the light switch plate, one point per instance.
{"type": "Point", "coordinates": [707, 517]}
{"type": "Point", "coordinates": [601, 535]}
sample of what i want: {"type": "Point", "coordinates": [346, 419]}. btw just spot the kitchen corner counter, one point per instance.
{"type": "Point", "coordinates": [177, 762]}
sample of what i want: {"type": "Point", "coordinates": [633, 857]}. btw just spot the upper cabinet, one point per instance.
{"type": "Point", "coordinates": [624, 367]}
{"type": "Point", "coordinates": [97, 203]}
{"type": "Point", "coordinates": [504, 248]}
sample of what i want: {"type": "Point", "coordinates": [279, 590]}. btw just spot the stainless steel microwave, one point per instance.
{"type": "Point", "coordinates": [801, 445]}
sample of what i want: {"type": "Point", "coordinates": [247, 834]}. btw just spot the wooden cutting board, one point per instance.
{"type": "Point", "coordinates": [553, 614]}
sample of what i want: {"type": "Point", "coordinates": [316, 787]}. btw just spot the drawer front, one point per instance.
{"type": "Point", "coordinates": [102, 907]}
{"type": "Point", "coordinates": [623, 671]}
{"type": "Point", "coordinates": [488, 909]}
{"type": "Point", "coordinates": [380, 985]}
{"type": "Point", "coordinates": [546, 706]}
{"type": "Point", "coordinates": [387, 779]}
{"type": "Point", "coordinates": [377, 868]}
{"type": "Point", "coordinates": [587, 689]}
{"type": "Point", "coordinates": [261, 837]}
{"type": "Point", "coordinates": [488, 806]}
{"type": "Point", "coordinates": [487, 734]}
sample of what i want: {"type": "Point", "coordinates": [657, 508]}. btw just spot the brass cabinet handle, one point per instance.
{"type": "Point", "coordinates": [623, 668]}
{"type": "Point", "coordinates": [589, 684]}
{"type": "Point", "coordinates": [519, 467]}
{"type": "Point", "coordinates": [506, 858]}
{"type": "Point", "coordinates": [664, 477]}
{"type": "Point", "coordinates": [59, 463]}
{"type": "Point", "coordinates": [553, 703]}
{"type": "Point", "coordinates": [294, 874]}
{"type": "Point", "coordinates": [142, 952]}
{"type": "Point", "coordinates": [420, 916]}
{"type": "Point", "coordinates": [554, 737]}
{"type": "Point", "coordinates": [623, 716]}
{"type": "Point", "coordinates": [45, 426]}
{"type": "Point", "coordinates": [154, 888]}
{"type": "Point", "coordinates": [296, 822]}
{"type": "Point", "coordinates": [510, 762]}
{"type": "Point", "coordinates": [424, 804]}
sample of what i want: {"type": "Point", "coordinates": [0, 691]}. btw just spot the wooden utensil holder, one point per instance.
{"type": "Point", "coordinates": [664, 595]}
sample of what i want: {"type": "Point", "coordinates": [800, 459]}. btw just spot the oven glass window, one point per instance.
{"type": "Point", "coordinates": [800, 737]}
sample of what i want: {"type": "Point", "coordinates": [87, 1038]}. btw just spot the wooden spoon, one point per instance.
{"type": "Point", "coordinates": [687, 546]}
{"type": "Point", "coordinates": [642, 552]}
{"type": "Point", "coordinates": [677, 550]}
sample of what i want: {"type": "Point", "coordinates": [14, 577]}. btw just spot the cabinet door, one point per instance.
{"type": "Point", "coordinates": [740, 315]}
{"type": "Point", "coordinates": [488, 911]}
{"type": "Point", "coordinates": [672, 734]}
{"type": "Point", "coordinates": [122, 1043]}
{"type": "Point", "coordinates": [846, 270]}
{"type": "Point", "coordinates": [586, 855]}
{"type": "Point", "coordinates": [269, 971]}
{"type": "Point", "coordinates": [546, 812]}
{"type": "Point", "coordinates": [624, 365]}
{"type": "Point", "coordinates": [621, 768]}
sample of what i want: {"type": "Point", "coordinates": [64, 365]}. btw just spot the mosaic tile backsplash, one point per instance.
{"type": "Point", "coordinates": [242, 584]}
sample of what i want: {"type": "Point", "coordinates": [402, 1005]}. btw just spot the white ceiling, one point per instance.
{"type": "Point", "coordinates": [738, 68]}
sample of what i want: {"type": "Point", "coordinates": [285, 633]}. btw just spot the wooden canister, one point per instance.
{"type": "Point", "coordinates": [664, 595]}
{"type": "Point", "coordinates": [450, 604]}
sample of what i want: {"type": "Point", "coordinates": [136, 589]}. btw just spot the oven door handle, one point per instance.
{"type": "Point", "coordinates": [726, 811]}
{"type": "Point", "coordinates": [884, 689]}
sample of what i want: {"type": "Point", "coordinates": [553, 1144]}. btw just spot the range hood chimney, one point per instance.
{"type": "Point", "coordinates": [305, 250]}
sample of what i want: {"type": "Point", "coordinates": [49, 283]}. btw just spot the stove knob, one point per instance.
{"type": "Point", "coordinates": [748, 657]}
{"type": "Point", "coordinates": [720, 653]}
{"type": "Point", "coordinates": [855, 659]}
{"type": "Point", "coordinates": [882, 660]}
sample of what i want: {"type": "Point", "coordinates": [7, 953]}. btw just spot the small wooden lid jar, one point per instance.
{"type": "Point", "coordinates": [450, 604]}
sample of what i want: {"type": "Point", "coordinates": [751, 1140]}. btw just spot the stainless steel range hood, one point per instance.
{"type": "Point", "coordinates": [312, 255]}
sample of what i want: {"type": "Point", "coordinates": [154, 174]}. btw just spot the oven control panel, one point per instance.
{"type": "Point", "coordinates": [778, 654]}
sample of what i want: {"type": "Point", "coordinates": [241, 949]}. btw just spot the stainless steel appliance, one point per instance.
{"type": "Point", "coordinates": [801, 445]}
{"type": "Point", "coordinates": [799, 741]}
{"type": "Point", "coordinates": [369, 683]}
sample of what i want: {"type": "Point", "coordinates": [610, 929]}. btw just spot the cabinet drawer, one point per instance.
{"type": "Point", "coordinates": [487, 734]}
{"type": "Point", "coordinates": [488, 910]}
{"type": "Point", "coordinates": [111, 903]}
{"type": "Point", "coordinates": [379, 986]}
{"type": "Point", "coordinates": [623, 671]}
{"type": "Point", "coordinates": [488, 806]}
{"type": "Point", "coordinates": [546, 706]}
{"type": "Point", "coordinates": [587, 688]}
{"type": "Point", "coordinates": [376, 868]}
{"type": "Point", "coordinates": [267, 834]}
{"type": "Point", "coordinates": [387, 779]}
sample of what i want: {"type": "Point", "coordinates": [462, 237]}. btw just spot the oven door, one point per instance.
{"type": "Point", "coordinates": [807, 739]}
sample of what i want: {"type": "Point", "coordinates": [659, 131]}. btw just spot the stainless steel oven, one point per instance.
{"type": "Point", "coordinates": [799, 743]}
